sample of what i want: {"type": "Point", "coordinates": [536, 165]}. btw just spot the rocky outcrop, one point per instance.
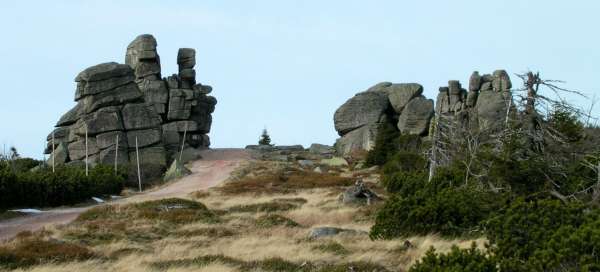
{"type": "Point", "coordinates": [358, 120]}
{"type": "Point", "coordinates": [132, 103]}
{"type": "Point", "coordinates": [485, 105]}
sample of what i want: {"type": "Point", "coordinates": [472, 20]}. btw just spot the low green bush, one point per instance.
{"type": "Point", "coordinates": [449, 212]}
{"type": "Point", "coordinates": [457, 260]}
{"type": "Point", "coordinates": [66, 186]}
{"type": "Point", "coordinates": [545, 235]}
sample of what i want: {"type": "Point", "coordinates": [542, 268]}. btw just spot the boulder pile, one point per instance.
{"type": "Point", "coordinates": [120, 106]}
{"type": "Point", "coordinates": [358, 120]}
{"type": "Point", "coordinates": [484, 105]}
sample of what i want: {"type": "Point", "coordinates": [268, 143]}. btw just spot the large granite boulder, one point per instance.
{"type": "Point", "coordinates": [400, 94]}
{"type": "Point", "coordinates": [360, 110]}
{"type": "Point", "coordinates": [355, 141]}
{"type": "Point", "coordinates": [140, 116]}
{"type": "Point", "coordinates": [416, 116]}
{"type": "Point", "coordinates": [491, 109]}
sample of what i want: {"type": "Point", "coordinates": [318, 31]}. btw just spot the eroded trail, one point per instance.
{"type": "Point", "coordinates": [214, 167]}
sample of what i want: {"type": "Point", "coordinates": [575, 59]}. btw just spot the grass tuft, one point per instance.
{"type": "Point", "coordinates": [274, 220]}
{"type": "Point", "coordinates": [32, 249]}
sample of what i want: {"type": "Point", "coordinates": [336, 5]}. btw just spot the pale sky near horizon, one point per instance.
{"type": "Point", "coordinates": [286, 65]}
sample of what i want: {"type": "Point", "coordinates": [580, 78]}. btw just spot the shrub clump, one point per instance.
{"type": "Point", "coordinates": [31, 249]}
{"type": "Point", "coordinates": [67, 186]}
{"type": "Point", "coordinates": [273, 220]}
{"type": "Point", "coordinates": [467, 260]}
{"type": "Point", "coordinates": [545, 235]}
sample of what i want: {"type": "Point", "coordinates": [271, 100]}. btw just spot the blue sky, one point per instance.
{"type": "Point", "coordinates": [286, 65]}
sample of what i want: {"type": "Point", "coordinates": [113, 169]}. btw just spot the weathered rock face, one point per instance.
{"type": "Point", "coordinates": [486, 104]}
{"type": "Point", "coordinates": [121, 104]}
{"type": "Point", "coordinates": [359, 119]}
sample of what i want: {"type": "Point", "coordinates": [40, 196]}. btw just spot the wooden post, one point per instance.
{"type": "Point", "coordinates": [137, 156]}
{"type": "Point", "coordinates": [183, 142]}
{"type": "Point", "coordinates": [53, 154]}
{"type": "Point", "coordinates": [116, 152]}
{"type": "Point", "coordinates": [86, 151]}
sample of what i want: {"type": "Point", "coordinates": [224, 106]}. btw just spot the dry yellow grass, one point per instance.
{"type": "Point", "coordinates": [237, 235]}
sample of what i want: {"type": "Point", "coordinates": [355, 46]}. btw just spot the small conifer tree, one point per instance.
{"type": "Point", "coordinates": [265, 139]}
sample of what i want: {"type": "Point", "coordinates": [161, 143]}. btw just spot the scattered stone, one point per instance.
{"type": "Point", "coordinates": [306, 163]}
{"type": "Point", "coordinates": [359, 194]}
{"type": "Point", "coordinates": [335, 161]}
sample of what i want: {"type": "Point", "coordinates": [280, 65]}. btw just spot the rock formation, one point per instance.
{"type": "Point", "coordinates": [358, 120]}
{"type": "Point", "coordinates": [132, 103]}
{"type": "Point", "coordinates": [484, 105]}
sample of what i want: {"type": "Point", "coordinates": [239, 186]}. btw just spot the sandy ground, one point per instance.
{"type": "Point", "coordinates": [214, 167]}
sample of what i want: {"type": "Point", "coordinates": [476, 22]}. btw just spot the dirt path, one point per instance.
{"type": "Point", "coordinates": [214, 167]}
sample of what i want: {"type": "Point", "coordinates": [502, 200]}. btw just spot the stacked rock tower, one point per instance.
{"type": "Point", "coordinates": [486, 105]}
{"type": "Point", "coordinates": [119, 105]}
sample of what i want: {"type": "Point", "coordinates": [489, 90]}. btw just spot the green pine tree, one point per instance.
{"type": "Point", "coordinates": [265, 139]}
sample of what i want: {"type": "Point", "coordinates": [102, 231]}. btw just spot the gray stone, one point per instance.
{"type": "Point", "coordinates": [139, 116]}
{"type": "Point", "coordinates": [172, 138]}
{"type": "Point", "coordinates": [103, 120]}
{"type": "Point", "coordinates": [71, 116]}
{"type": "Point", "coordinates": [380, 87]}
{"type": "Point", "coordinates": [60, 155]}
{"type": "Point", "coordinates": [173, 81]}
{"type": "Point", "coordinates": [109, 139]}
{"type": "Point", "coordinates": [486, 86]}
{"type": "Point", "coordinates": [358, 140]}
{"type": "Point", "coordinates": [474, 82]}
{"type": "Point", "coordinates": [85, 88]}
{"type": "Point", "coordinates": [180, 104]}
{"type": "Point", "coordinates": [472, 98]}
{"type": "Point", "coordinates": [187, 74]}
{"type": "Point", "coordinates": [363, 109]}
{"type": "Point", "coordinates": [180, 126]}
{"type": "Point", "coordinates": [203, 89]}
{"type": "Point", "coordinates": [491, 109]}
{"type": "Point", "coordinates": [142, 56]}
{"type": "Point", "coordinates": [358, 194]}
{"type": "Point", "coordinates": [145, 137]}
{"type": "Point", "coordinates": [443, 101]}
{"type": "Point", "coordinates": [121, 95]}
{"type": "Point", "coordinates": [59, 133]}
{"type": "Point", "coordinates": [77, 149]}
{"type": "Point", "coordinates": [290, 147]}
{"type": "Point", "coordinates": [186, 58]}
{"type": "Point", "coordinates": [306, 163]}
{"type": "Point", "coordinates": [107, 156]}
{"type": "Point", "coordinates": [155, 155]}
{"type": "Point", "coordinates": [400, 94]}
{"type": "Point", "coordinates": [145, 68]}
{"type": "Point", "coordinates": [155, 91]}
{"type": "Point", "coordinates": [321, 149]}
{"type": "Point", "coordinates": [334, 162]}
{"type": "Point", "coordinates": [501, 81]}
{"type": "Point", "coordinates": [104, 71]}
{"type": "Point", "coordinates": [416, 116]}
